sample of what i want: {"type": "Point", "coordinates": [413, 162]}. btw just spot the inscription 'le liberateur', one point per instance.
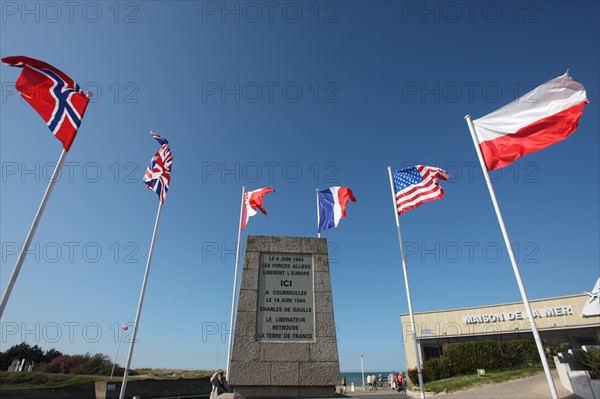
{"type": "Point", "coordinates": [285, 298]}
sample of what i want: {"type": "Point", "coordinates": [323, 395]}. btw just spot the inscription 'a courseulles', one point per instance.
{"type": "Point", "coordinates": [285, 298]}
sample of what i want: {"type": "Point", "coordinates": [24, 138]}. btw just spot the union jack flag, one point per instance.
{"type": "Point", "coordinates": [416, 185]}
{"type": "Point", "coordinates": [158, 173]}
{"type": "Point", "coordinates": [55, 96]}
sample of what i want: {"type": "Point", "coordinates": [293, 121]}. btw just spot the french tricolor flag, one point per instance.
{"type": "Point", "coordinates": [540, 118]}
{"type": "Point", "coordinates": [332, 206]}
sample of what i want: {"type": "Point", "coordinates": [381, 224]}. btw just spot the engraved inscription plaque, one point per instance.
{"type": "Point", "coordinates": [285, 298]}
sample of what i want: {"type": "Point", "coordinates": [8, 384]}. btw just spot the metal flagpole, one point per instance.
{"type": "Point", "coordinates": [318, 215]}
{"type": "Point", "coordinates": [237, 262]}
{"type": "Point", "coordinates": [116, 356]}
{"type": "Point", "coordinates": [140, 303]}
{"type": "Point", "coordinates": [410, 311]}
{"type": "Point", "coordinates": [32, 229]}
{"type": "Point", "coordinates": [511, 254]}
{"type": "Point", "coordinates": [362, 371]}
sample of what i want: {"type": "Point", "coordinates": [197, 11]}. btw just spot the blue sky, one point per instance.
{"type": "Point", "coordinates": [294, 96]}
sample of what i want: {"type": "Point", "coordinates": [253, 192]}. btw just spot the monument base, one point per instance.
{"type": "Point", "coordinates": [285, 342]}
{"type": "Point", "coordinates": [283, 392]}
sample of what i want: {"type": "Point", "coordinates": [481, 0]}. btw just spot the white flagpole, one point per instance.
{"type": "Point", "coordinates": [404, 269]}
{"type": "Point", "coordinates": [140, 303]}
{"type": "Point", "coordinates": [112, 372]}
{"type": "Point", "coordinates": [233, 299]}
{"type": "Point", "coordinates": [511, 254]}
{"type": "Point", "coordinates": [318, 215]}
{"type": "Point", "coordinates": [32, 229]}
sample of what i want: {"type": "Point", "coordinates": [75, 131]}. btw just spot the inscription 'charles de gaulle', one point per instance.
{"type": "Point", "coordinates": [285, 298]}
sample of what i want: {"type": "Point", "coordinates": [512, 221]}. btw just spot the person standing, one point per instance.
{"type": "Point", "coordinates": [219, 384]}
{"type": "Point", "coordinates": [400, 381]}
{"type": "Point", "coordinates": [344, 384]}
{"type": "Point", "coordinates": [393, 380]}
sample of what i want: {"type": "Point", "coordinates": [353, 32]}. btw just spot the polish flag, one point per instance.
{"type": "Point", "coordinates": [332, 206]}
{"type": "Point", "coordinates": [253, 200]}
{"type": "Point", "coordinates": [540, 118]}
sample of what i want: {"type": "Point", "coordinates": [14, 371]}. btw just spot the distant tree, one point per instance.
{"type": "Point", "coordinates": [51, 354]}
{"type": "Point", "coordinates": [97, 364]}
{"type": "Point", "coordinates": [19, 352]}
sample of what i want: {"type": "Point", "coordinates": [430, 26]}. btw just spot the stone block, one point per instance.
{"type": "Point", "coordinates": [284, 373]}
{"type": "Point", "coordinates": [325, 325]}
{"type": "Point", "coordinates": [322, 282]}
{"type": "Point", "coordinates": [318, 373]}
{"type": "Point", "coordinates": [285, 392]}
{"type": "Point", "coordinates": [245, 324]}
{"type": "Point", "coordinates": [251, 261]}
{"type": "Point", "coordinates": [286, 244]}
{"type": "Point", "coordinates": [324, 351]}
{"type": "Point", "coordinates": [249, 280]}
{"type": "Point", "coordinates": [247, 301]}
{"type": "Point", "coordinates": [317, 392]}
{"type": "Point", "coordinates": [250, 373]}
{"type": "Point", "coordinates": [323, 302]}
{"type": "Point", "coordinates": [257, 243]}
{"type": "Point", "coordinates": [252, 392]}
{"type": "Point", "coordinates": [290, 352]}
{"type": "Point", "coordinates": [245, 349]}
{"type": "Point", "coordinates": [321, 263]}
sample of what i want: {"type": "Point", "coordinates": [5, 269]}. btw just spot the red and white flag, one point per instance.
{"type": "Point", "coordinates": [540, 118]}
{"type": "Point", "coordinates": [252, 201]}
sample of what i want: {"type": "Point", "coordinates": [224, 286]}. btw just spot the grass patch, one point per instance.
{"type": "Point", "coordinates": [32, 379]}
{"type": "Point", "coordinates": [36, 380]}
{"type": "Point", "coordinates": [463, 382]}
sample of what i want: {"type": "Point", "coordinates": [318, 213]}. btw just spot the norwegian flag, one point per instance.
{"type": "Point", "coordinates": [55, 96]}
{"type": "Point", "coordinates": [158, 173]}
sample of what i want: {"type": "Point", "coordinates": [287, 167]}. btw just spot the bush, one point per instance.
{"type": "Point", "coordinates": [435, 369]}
{"type": "Point", "coordinates": [467, 357]}
{"type": "Point", "coordinates": [97, 364]}
{"type": "Point", "coordinates": [591, 361]}
{"type": "Point", "coordinates": [413, 375]}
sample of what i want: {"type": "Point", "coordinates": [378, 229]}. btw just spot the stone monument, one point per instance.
{"type": "Point", "coordinates": [285, 340]}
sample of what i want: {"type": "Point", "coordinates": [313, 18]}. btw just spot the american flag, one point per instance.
{"type": "Point", "coordinates": [54, 95]}
{"type": "Point", "coordinates": [158, 173]}
{"type": "Point", "coordinates": [417, 185]}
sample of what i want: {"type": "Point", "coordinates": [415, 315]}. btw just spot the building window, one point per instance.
{"type": "Point", "coordinates": [430, 352]}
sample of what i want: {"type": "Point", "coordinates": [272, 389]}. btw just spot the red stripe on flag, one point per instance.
{"type": "Point", "coordinates": [504, 150]}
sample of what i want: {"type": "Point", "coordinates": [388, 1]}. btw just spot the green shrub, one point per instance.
{"type": "Point", "coordinates": [413, 375]}
{"type": "Point", "coordinates": [467, 357]}
{"type": "Point", "coordinates": [435, 369]}
{"type": "Point", "coordinates": [591, 361]}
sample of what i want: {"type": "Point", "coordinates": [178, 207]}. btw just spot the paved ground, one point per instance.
{"type": "Point", "coordinates": [535, 387]}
